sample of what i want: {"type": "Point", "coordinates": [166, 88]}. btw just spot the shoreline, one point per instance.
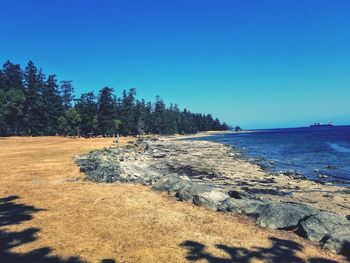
{"type": "Point", "coordinates": [288, 175]}
{"type": "Point", "coordinates": [216, 176]}
{"type": "Point", "coordinates": [268, 165]}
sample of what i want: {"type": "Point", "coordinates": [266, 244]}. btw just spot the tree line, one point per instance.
{"type": "Point", "coordinates": [34, 104]}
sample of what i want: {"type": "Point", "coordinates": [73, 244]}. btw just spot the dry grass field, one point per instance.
{"type": "Point", "coordinates": [49, 213]}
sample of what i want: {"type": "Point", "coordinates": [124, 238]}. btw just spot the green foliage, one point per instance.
{"type": "Point", "coordinates": [87, 107]}
{"type": "Point", "coordinates": [117, 124]}
{"type": "Point", "coordinates": [33, 104]}
{"type": "Point", "coordinates": [67, 91]}
{"type": "Point", "coordinates": [106, 112]}
{"type": "Point", "coordinates": [53, 104]}
{"type": "Point", "coordinates": [35, 120]}
{"type": "Point", "coordinates": [69, 123]}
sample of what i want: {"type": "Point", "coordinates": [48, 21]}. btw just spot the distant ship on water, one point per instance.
{"type": "Point", "coordinates": [320, 124]}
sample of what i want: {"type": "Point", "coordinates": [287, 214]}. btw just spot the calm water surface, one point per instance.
{"type": "Point", "coordinates": [316, 152]}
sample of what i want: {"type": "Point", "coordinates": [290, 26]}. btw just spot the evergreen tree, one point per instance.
{"type": "Point", "coordinates": [2, 80]}
{"type": "Point", "coordinates": [106, 112]}
{"type": "Point", "coordinates": [127, 112]}
{"type": "Point", "coordinates": [159, 116]}
{"type": "Point", "coordinates": [172, 120]}
{"type": "Point", "coordinates": [53, 105]}
{"type": "Point", "coordinates": [12, 99]}
{"type": "Point", "coordinates": [34, 105]}
{"type": "Point", "coordinates": [140, 117]}
{"type": "Point", "coordinates": [148, 118]}
{"type": "Point", "coordinates": [87, 109]}
{"type": "Point", "coordinates": [68, 124]}
{"type": "Point", "coordinates": [67, 91]}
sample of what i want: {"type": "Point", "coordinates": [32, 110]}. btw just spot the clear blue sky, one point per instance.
{"type": "Point", "coordinates": [250, 62]}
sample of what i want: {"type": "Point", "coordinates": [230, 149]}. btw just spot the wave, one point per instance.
{"type": "Point", "coordinates": [339, 148]}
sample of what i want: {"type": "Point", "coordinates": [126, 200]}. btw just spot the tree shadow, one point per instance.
{"type": "Point", "coordinates": [346, 250]}
{"type": "Point", "coordinates": [280, 251]}
{"type": "Point", "coordinates": [12, 213]}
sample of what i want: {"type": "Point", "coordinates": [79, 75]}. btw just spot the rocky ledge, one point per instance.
{"type": "Point", "coordinates": [214, 175]}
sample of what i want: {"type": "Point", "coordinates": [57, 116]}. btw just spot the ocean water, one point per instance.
{"type": "Point", "coordinates": [320, 153]}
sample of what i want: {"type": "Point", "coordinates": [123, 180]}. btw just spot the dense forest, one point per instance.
{"type": "Point", "coordinates": [34, 104]}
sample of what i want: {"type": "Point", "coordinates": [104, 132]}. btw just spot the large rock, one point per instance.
{"type": "Point", "coordinates": [211, 200]}
{"type": "Point", "coordinates": [171, 183]}
{"type": "Point", "coordinates": [323, 223]}
{"type": "Point", "coordinates": [249, 207]}
{"type": "Point", "coordinates": [255, 208]}
{"type": "Point", "coordinates": [339, 242]}
{"type": "Point", "coordinates": [278, 215]}
{"type": "Point", "coordinates": [189, 191]}
{"type": "Point", "coordinates": [232, 205]}
{"type": "Point", "coordinates": [99, 167]}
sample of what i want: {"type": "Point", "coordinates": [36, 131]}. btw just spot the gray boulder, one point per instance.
{"type": "Point", "coordinates": [255, 208]}
{"type": "Point", "coordinates": [186, 190]}
{"type": "Point", "coordinates": [250, 207]}
{"type": "Point", "coordinates": [278, 215]}
{"type": "Point", "coordinates": [99, 166]}
{"type": "Point", "coordinates": [339, 242]}
{"type": "Point", "coordinates": [211, 200]}
{"type": "Point", "coordinates": [324, 223]}
{"type": "Point", "coordinates": [189, 191]}
{"type": "Point", "coordinates": [232, 205]}
{"type": "Point", "coordinates": [170, 183]}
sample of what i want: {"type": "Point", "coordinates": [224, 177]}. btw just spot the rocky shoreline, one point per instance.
{"type": "Point", "coordinates": [216, 176]}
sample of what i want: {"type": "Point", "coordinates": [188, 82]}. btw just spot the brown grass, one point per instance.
{"type": "Point", "coordinates": [129, 223]}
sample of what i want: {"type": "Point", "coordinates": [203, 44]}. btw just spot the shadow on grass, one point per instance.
{"type": "Point", "coordinates": [12, 213]}
{"type": "Point", "coordinates": [280, 251]}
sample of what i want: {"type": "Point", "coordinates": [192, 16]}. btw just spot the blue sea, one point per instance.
{"type": "Point", "coordinates": [319, 153]}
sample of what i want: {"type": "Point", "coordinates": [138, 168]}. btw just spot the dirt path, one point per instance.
{"type": "Point", "coordinates": [45, 204]}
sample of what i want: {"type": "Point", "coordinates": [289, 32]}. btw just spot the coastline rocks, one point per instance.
{"type": "Point", "coordinates": [231, 205]}
{"type": "Point", "coordinates": [339, 242]}
{"type": "Point", "coordinates": [186, 190]}
{"type": "Point", "coordinates": [211, 199]}
{"type": "Point", "coordinates": [170, 183]}
{"type": "Point", "coordinates": [99, 170]}
{"type": "Point", "coordinates": [284, 216]}
{"type": "Point", "coordinates": [269, 191]}
{"type": "Point", "coordinates": [323, 225]}
{"type": "Point", "coordinates": [332, 231]}
{"type": "Point", "coordinates": [251, 208]}
{"type": "Point", "coordinates": [292, 174]}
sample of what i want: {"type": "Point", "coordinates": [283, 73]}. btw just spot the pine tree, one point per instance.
{"type": "Point", "coordinates": [34, 105]}
{"type": "Point", "coordinates": [68, 124]}
{"type": "Point", "coordinates": [148, 117]}
{"type": "Point", "coordinates": [53, 105]}
{"type": "Point", "coordinates": [87, 109]}
{"type": "Point", "coordinates": [12, 98]}
{"type": "Point", "coordinates": [106, 112]}
{"type": "Point", "coordinates": [67, 91]}
{"type": "Point", "coordinates": [159, 116]}
{"type": "Point", "coordinates": [140, 117]}
{"type": "Point", "coordinates": [127, 112]}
